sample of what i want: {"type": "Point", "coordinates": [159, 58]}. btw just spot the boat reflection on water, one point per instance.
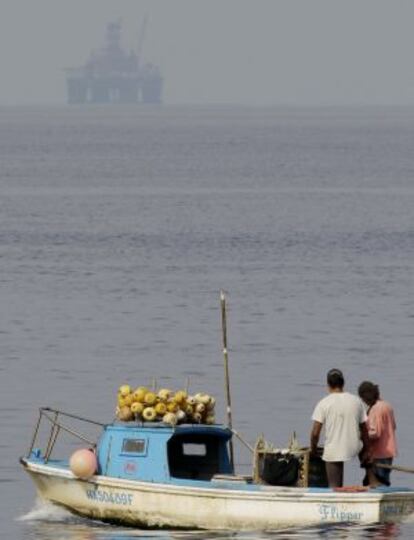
{"type": "Point", "coordinates": [47, 531]}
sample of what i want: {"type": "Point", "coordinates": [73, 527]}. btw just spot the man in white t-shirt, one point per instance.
{"type": "Point", "coordinates": [346, 435]}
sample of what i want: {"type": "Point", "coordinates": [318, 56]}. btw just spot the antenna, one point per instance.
{"type": "Point", "coordinates": [226, 370]}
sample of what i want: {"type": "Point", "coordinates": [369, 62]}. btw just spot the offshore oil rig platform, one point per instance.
{"type": "Point", "coordinates": [112, 75]}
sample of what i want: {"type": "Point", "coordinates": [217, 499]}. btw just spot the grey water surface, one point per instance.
{"type": "Point", "coordinates": [119, 226]}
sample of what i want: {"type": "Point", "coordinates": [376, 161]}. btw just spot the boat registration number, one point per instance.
{"type": "Point", "coordinates": [101, 495]}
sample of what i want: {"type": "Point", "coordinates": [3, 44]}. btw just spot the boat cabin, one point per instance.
{"type": "Point", "coordinates": [186, 453]}
{"type": "Point", "coordinates": [155, 452]}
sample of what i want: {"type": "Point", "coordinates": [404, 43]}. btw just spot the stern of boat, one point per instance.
{"type": "Point", "coordinates": [396, 505]}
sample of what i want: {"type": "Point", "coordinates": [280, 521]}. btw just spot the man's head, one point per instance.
{"type": "Point", "coordinates": [368, 392]}
{"type": "Point", "coordinates": [335, 380]}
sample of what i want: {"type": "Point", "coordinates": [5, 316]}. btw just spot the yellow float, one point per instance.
{"type": "Point", "coordinates": [139, 393]}
{"type": "Point", "coordinates": [125, 414]}
{"type": "Point", "coordinates": [161, 408]}
{"type": "Point", "coordinates": [137, 408]}
{"type": "Point", "coordinates": [150, 398]}
{"type": "Point", "coordinates": [181, 416]}
{"type": "Point", "coordinates": [172, 406]}
{"type": "Point", "coordinates": [211, 404]}
{"type": "Point", "coordinates": [149, 414]}
{"type": "Point", "coordinates": [124, 390]}
{"type": "Point", "coordinates": [128, 400]}
{"type": "Point", "coordinates": [188, 409]}
{"type": "Point", "coordinates": [164, 394]}
{"type": "Point", "coordinates": [170, 418]}
{"type": "Point", "coordinates": [180, 396]}
{"type": "Point", "coordinates": [200, 408]}
{"type": "Point", "coordinates": [121, 401]}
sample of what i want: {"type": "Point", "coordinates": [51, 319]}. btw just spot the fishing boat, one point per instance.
{"type": "Point", "coordinates": [164, 474]}
{"type": "Point", "coordinates": [154, 475]}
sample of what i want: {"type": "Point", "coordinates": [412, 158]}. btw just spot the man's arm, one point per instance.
{"type": "Point", "coordinates": [314, 436]}
{"type": "Point", "coordinates": [364, 454]}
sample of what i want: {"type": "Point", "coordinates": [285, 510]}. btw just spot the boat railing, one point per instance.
{"type": "Point", "coordinates": [53, 416]}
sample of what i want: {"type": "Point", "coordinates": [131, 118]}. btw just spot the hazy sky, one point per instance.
{"type": "Point", "coordinates": [226, 51]}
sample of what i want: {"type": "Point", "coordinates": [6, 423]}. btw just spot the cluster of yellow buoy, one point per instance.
{"type": "Point", "coordinates": [165, 406]}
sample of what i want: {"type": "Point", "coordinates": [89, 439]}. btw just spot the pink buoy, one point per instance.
{"type": "Point", "coordinates": [83, 463]}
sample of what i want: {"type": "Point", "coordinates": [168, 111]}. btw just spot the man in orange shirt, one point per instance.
{"type": "Point", "coordinates": [381, 430]}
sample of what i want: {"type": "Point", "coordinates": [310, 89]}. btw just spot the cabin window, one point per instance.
{"type": "Point", "coordinates": [197, 456]}
{"type": "Point", "coordinates": [191, 449]}
{"type": "Point", "coordinates": [133, 446]}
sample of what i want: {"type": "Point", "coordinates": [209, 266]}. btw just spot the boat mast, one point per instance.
{"type": "Point", "coordinates": [226, 371]}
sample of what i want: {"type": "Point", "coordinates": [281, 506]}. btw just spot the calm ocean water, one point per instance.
{"type": "Point", "coordinates": [118, 227]}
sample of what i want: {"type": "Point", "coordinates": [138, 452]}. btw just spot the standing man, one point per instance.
{"type": "Point", "coordinates": [344, 418]}
{"type": "Point", "coordinates": [381, 431]}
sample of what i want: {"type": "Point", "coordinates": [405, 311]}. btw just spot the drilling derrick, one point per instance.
{"type": "Point", "coordinates": [112, 75]}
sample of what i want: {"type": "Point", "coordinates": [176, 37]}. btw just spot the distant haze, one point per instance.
{"type": "Point", "coordinates": [258, 52]}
